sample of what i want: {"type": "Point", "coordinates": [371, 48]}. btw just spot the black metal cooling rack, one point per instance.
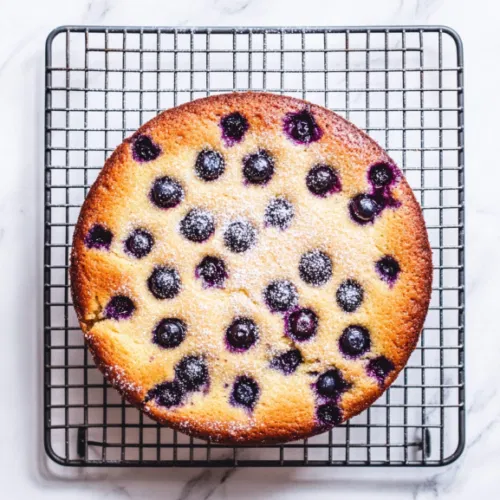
{"type": "Point", "coordinates": [403, 85]}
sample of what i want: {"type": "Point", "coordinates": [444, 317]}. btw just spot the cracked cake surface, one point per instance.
{"type": "Point", "coordinates": [250, 268]}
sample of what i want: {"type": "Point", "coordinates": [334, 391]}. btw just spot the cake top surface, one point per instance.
{"type": "Point", "coordinates": [251, 267]}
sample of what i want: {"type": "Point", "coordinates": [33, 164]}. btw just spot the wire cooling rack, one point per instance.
{"type": "Point", "coordinates": [403, 85]}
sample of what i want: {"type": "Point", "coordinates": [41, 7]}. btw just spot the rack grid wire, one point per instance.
{"type": "Point", "coordinates": [403, 85]}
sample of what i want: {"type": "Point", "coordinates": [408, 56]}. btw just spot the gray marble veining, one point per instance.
{"type": "Point", "coordinates": [24, 470]}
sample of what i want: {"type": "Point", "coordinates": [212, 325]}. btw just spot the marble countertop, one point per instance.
{"type": "Point", "coordinates": [25, 472]}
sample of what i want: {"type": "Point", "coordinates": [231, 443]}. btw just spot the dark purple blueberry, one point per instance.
{"type": "Point", "coordinates": [302, 324]}
{"type": "Point", "coordinates": [380, 368]}
{"type": "Point", "coordinates": [209, 165]}
{"type": "Point", "coordinates": [242, 334]}
{"type": "Point", "coordinates": [139, 243]}
{"type": "Point", "coordinates": [169, 333]}
{"type": "Point", "coordinates": [234, 127]}
{"type": "Point", "coordinates": [287, 362]}
{"type": "Point", "coordinates": [99, 237]}
{"type": "Point", "coordinates": [239, 236]}
{"type": "Point", "coordinates": [381, 175]}
{"type": "Point", "coordinates": [281, 295]}
{"type": "Point", "coordinates": [166, 192]}
{"type": "Point", "coordinates": [302, 127]}
{"type": "Point", "coordinates": [197, 225]}
{"type": "Point", "coordinates": [164, 282]}
{"type": "Point", "coordinates": [192, 372]}
{"type": "Point", "coordinates": [329, 414]}
{"type": "Point", "coordinates": [279, 213]}
{"type": "Point", "coordinates": [144, 149]}
{"type": "Point", "coordinates": [349, 295]}
{"type": "Point", "coordinates": [167, 394]}
{"type": "Point", "coordinates": [315, 268]}
{"type": "Point", "coordinates": [258, 168]}
{"type": "Point", "coordinates": [323, 180]}
{"type": "Point", "coordinates": [364, 208]}
{"type": "Point", "coordinates": [355, 341]}
{"type": "Point", "coordinates": [388, 269]}
{"type": "Point", "coordinates": [119, 307]}
{"type": "Point", "coordinates": [212, 271]}
{"type": "Point", "coordinates": [331, 383]}
{"type": "Point", "coordinates": [245, 392]}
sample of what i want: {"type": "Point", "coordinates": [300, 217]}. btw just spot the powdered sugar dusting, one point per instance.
{"type": "Point", "coordinates": [279, 213]}
{"type": "Point", "coordinates": [117, 375]}
{"type": "Point", "coordinates": [315, 267]}
{"type": "Point", "coordinates": [240, 235]}
{"type": "Point", "coordinates": [258, 244]}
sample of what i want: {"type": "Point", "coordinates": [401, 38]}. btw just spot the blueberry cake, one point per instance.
{"type": "Point", "coordinates": [250, 268]}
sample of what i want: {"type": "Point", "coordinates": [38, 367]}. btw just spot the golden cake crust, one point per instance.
{"type": "Point", "coordinates": [118, 200]}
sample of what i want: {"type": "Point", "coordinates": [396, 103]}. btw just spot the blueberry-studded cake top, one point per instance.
{"type": "Point", "coordinates": [253, 267]}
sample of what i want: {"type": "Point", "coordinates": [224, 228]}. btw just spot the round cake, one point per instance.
{"type": "Point", "coordinates": [250, 268]}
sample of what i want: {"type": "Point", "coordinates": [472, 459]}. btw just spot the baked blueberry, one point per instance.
{"type": "Point", "coordinates": [287, 362]}
{"type": "Point", "coordinates": [234, 127]}
{"type": "Point", "coordinates": [169, 333]}
{"type": "Point", "coordinates": [164, 282]}
{"type": "Point", "coordinates": [279, 213]}
{"type": "Point", "coordinates": [144, 149]}
{"type": "Point", "coordinates": [167, 394]}
{"type": "Point", "coordinates": [381, 175]}
{"type": "Point", "coordinates": [258, 168]}
{"type": "Point", "coordinates": [245, 392]}
{"type": "Point", "coordinates": [323, 180]}
{"type": "Point", "coordinates": [331, 383]}
{"type": "Point", "coordinates": [197, 225]}
{"type": "Point", "coordinates": [302, 324]}
{"type": "Point", "coordinates": [166, 192]}
{"type": "Point", "coordinates": [212, 271]}
{"type": "Point", "coordinates": [139, 243]}
{"type": "Point", "coordinates": [242, 334]}
{"type": "Point", "coordinates": [388, 269]}
{"type": "Point", "coordinates": [209, 165]}
{"type": "Point", "coordinates": [380, 367]}
{"type": "Point", "coordinates": [364, 208]}
{"type": "Point", "coordinates": [329, 414]}
{"type": "Point", "coordinates": [281, 295]}
{"type": "Point", "coordinates": [119, 307]}
{"type": "Point", "coordinates": [315, 268]}
{"type": "Point", "coordinates": [239, 236]}
{"type": "Point", "coordinates": [192, 372]}
{"type": "Point", "coordinates": [99, 237]}
{"type": "Point", "coordinates": [354, 341]}
{"type": "Point", "coordinates": [349, 295]}
{"type": "Point", "coordinates": [301, 127]}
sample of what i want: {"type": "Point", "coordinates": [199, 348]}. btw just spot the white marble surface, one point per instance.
{"type": "Point", "coordinates": [24, 470]}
